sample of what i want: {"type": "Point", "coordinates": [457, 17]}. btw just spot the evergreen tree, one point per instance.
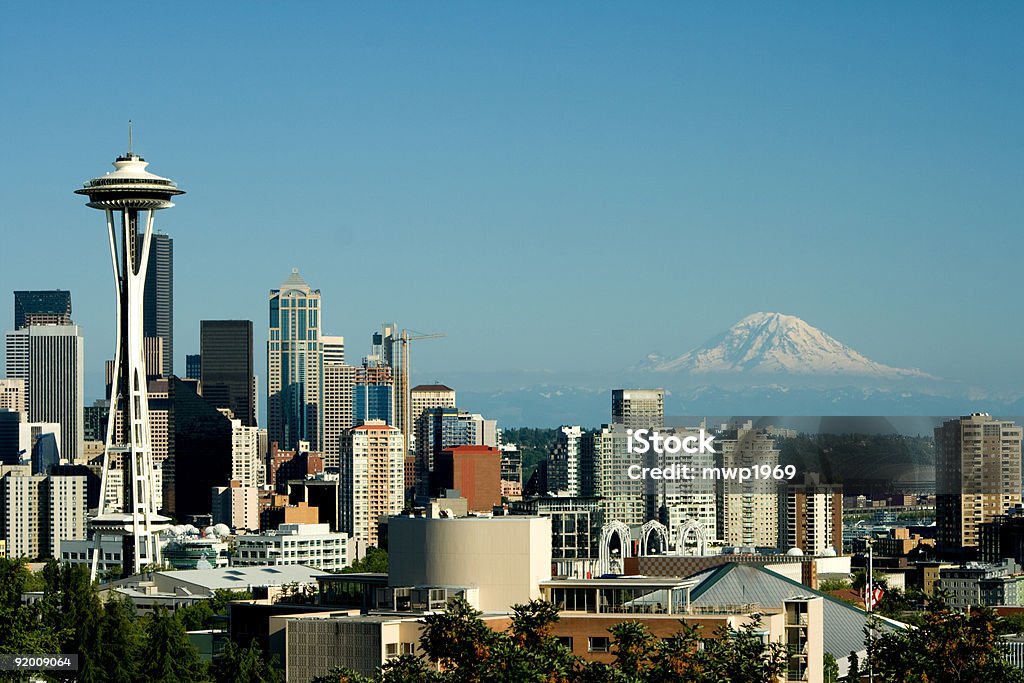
{"type": "Point", "coordinates": [237, 664]}
{"type": "Point", "coordinates": [169, 656]}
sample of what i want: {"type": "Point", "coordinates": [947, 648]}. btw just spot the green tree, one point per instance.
{"type": "Point", "coordinates": [853, 671]}
{"type": "Point", "coordinates": [340, 674]}
{"type": "Point", "coordinates": [237, 664]}
{"type": "Point", "coordinates": [120, 658]}
{"type": "Point", "coordinates": [23, 629]}
{"type": "Point", "coordinates": [458, 640]}
{"type": "Point", "coordinates": [949, 647]}
{"type": "Point", "coordinates": [633, 646]}
{"type": "Point", "coordinates": [831, 668]}
{"type": "Point", "coordinates": [375, 561]}
{"type": "Point", "coordinates": [169, 656]}
{"type": "Point", "coordinates": [741, 656]}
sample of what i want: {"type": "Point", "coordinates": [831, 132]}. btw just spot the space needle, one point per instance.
{"type": "Point", "coordinates": [123, 194]}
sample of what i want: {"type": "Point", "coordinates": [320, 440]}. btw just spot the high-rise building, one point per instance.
{"type": "Point", "coordinates": [638, 408]}
{"type": "Point", "coordinates": [10, 442]}
{"type": "Point", "coordinates": [564, 461]}
{"type": "Point", "coordinates": [374, 393]}
{"type": "Point", "coordinates": [444, 428]}
{"type": "Point", "coordinates": [811, 516]}
{"type": "Point", "coordinates": [236, 505]}
{"type": "Point", "coordinates": [248, 464]}
{"type": "Point", "coordinates": [51, 361]}
{"type": "Point", "coordinates": [977, 476]}
{"type": "Point", "coordinates": [202, 442]}
{"type": "Point", "coordinates": [42, 307]}
{"type": "Point", "coordinates": [12, 395]}
{"type": "Point", "coordinates": [748, 512]}
{"type": "Point", "coordinates": [38, 511]}
{"type": "Point", "coordinates": [158, 301]}
{"type": "Point", "coordinates": [423, 397]}
{"type": "Point", "coordinates": [68, 507]}
{"type": "Point", "coordinates": [225, 349]}
{"type": "Point", "coordinates": [511, 471]}
{"type": "Point", "coordinates": [193, 366]}
{"type": "Point", "coordinates": [25, 513]}
{"type": "Point", "coordinates": [372, 478]}
{"type": "Point", "coordinates": [426, 396]}
{"type": "Point", "coordinates": [295, 365]}
{"type": "Point", "coordinates": [339, 386]}
{"type": "Point", "coordinates": [474, 471]}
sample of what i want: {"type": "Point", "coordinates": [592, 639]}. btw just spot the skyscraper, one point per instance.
{"type": "Point", "coordinates": [42, 307]}
{"type": "Point", "coordinates": [226, 367]}
{"type": "Point", "coordinates": [372, 481]}
{"type": "Point", "coordinates": [811, 516]}
{"type": "Point", "coordinates": [158, 304]}
{"type": "Point", "coordinates": [977, 476]}
{"type": "Point", "coordinates": [51, 361]}
{"type": "Point", "coordinates": [339, 385]}
{"type": "Point", "coordinates": [295, 365]}
{"type": "Point", "coordinates": [564, 461]}
{"type": "Point", "coordinates": [374, 394]}
{"type": "Point", "coordinates": [748, 511]}
{"type": "Point", "coordinates": [638, 408]}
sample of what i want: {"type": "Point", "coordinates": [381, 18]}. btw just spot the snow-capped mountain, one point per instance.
{"type": "Point", "coordinates": [774, 343]}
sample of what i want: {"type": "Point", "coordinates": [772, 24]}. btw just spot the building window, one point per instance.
{"type": "Point", "coordinates": [597, 644]}
{"type": "Point", "coordinates": [566, 641]}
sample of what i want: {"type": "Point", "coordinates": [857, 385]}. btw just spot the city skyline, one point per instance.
{"type": "Point", "coordinates": [842, 187]}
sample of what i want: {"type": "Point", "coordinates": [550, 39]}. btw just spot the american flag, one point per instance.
{"type": "Point", "coordinates": [874, 595]}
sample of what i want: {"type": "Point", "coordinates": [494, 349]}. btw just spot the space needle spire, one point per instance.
{"type": "Point", "coordinates": [125, 195]}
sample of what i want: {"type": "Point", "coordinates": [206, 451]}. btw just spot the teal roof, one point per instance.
{"type": "Point", "coordinates": [740, 584]}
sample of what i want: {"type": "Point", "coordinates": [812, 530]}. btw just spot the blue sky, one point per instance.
{"type": "Point", "coordinates": [555, 186]}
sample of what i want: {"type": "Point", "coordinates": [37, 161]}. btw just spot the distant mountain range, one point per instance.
{"type": "Point", "coordinates": [766, 364]}
{"type": "Point", "coordinates": [778, 344]}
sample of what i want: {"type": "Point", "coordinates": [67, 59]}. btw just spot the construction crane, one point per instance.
{"type": "Point", "coordinates": [403, 392]}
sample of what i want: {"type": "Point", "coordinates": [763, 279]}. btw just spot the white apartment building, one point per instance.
{"type": "Point", "coordinates": [312, 545]}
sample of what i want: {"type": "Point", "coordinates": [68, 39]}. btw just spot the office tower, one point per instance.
{"type": "Point", "coordinates": [193, 366]}
{"type": "Point", "coordinates": [51, 361]}
{"type": "Point", "coordinates": [294, 365]}
{"type": "Point", "coordinates": [811, 516]}
{"type": "Point", "coordinates": [10, 446]}
{"type": "Point", "coordinates": [748, 512]}
{"type": "Point", "coordinates": [339, 385]}
{"type": "Point", "coordinates": [153, 350]}
{"type": "Point", "coordinates": [421, 398]}
{"type": "Point", "coordinates": [158, 306]}
{"type": "Point", "coordinates": [374, 393]}
{"type": "Point", "coordinates": [12, 395]}
{"type": "Point", "coordinates": [42, 307]}
{"type": "Point", "coordinates": [129, 191]}
{"type": "Point", "coordinates": [474, 471]}
{"type": "Point", "coordinates": [203, 446]}
{"type": "Point", "coordinates": [248, 466]}
{"type": "Point", "coordinates": [444, 428]}
{"type": "Point", "coordinates": [977, 476]}
{"type": "Point", "coordinates": [511, 471]}
{"type": "Point", "coordinates": [372, 478]}
{"type": "Point", "coordinates": [638, 408]}
{"type": "Point", "coordinates": [225, 349]}
{"type": "Point", "coordinates": [95, 420]}
{"type": "Point", "coordinates": [564, 462]}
